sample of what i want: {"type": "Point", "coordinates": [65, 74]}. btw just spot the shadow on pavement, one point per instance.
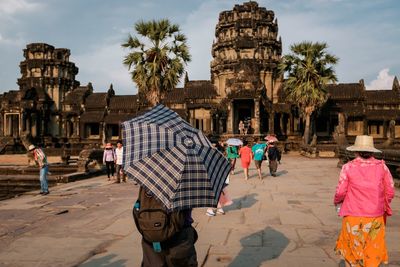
{"type": "Point", "coordinates": [282, 172]}
{"type": "Point", "coordinates": [243, 202]}
{"type": "Point", "coordinates": [106, 261]}
{"type": "Point", "coordinates": [259, 247]}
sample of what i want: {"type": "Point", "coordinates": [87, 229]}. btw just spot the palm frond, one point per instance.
{"type": "Point", "coordinates": [158, 62]}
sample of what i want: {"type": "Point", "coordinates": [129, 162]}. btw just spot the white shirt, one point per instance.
{"type": "Point", "coordinates": [118, 153]}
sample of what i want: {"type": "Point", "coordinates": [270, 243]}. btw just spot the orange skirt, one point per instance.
{"type": "Point", "coordinates": [362, 241]}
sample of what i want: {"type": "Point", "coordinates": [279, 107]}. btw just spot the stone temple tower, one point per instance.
{"type": "Point", "coordinates": [246, 54]}
{"type": "Point", "coordinates": [46, 76]}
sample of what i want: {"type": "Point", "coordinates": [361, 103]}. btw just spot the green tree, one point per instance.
{"type": "Point", "coordinates": [158, 55]}
{"type": "Point", "coordinates": [309, 69]}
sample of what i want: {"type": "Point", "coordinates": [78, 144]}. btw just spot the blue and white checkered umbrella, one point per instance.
{"type": "Point", "coordinates": [173, 160]}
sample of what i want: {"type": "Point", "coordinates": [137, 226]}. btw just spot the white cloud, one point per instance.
{"type": "Point", "coordinates": [13, 6]}
{"type": "Point", "coordinates": [384, 81]}
{"type": "Point", "coordinates": [18, 40]}
{"type": "Point", "coordinates": [102, 66]}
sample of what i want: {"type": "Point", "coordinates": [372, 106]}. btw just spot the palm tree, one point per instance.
{"type": "Point", "coordinates": [158, 55]}
{"type": "Point", "coordinates": [309, 69]}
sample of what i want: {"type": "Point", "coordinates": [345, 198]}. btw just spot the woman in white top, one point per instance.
{"type": "Point", "coordinates": [119, 152]}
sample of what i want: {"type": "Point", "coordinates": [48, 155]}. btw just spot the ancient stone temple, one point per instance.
{"type": "Point", "coordinates": [52, 109]}
{"type": "Point", "coordinates": [246, 54]}
{"type": "Point", "coordinates": [35, 110]}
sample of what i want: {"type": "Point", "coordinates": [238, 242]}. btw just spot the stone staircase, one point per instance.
{"type": "Point", "coordinates": [15, 180]}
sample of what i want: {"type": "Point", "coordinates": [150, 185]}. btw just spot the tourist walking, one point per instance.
{"type": "Point", "coordinates": [109, 160]}
{"type": "Point", "coordinates": [41, 161]}
{"type": "Point", "coordinates": [232, 155]}
{"type": "Point", "coordinates": [224, 200]}
{"type": "Point", "coordinates": [273, 157]}
{"type": "Point", "coordinates": [246, 155]}
{"type": "Point", "coordinates": [363, 195]}
{"type": "Point", "coordinates": [258, 154]}
{"type": "Point", "coordinates": [118, 163]}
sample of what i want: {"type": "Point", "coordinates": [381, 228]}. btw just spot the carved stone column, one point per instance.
{"type": "Point", "coordinates": [257, 116]}
{"type": "Point", "coordinates": [365, 126]}
{"type": "Point", "coordinates": [34, 125]}
{"type": "Point", "coordinates": [282, 124]}
{"type": "Point", "coordinates": [290, 124]}
{"type": "Point", "coordinates": [43, 122]}
{"type": "Point", "coordinates": [271, 122]}
{"type": "Point", "coordinates": [2, 124]}
{"type": "Point", "coordinates": [78, 126]}
{"type": "Point", "coordinates": [392, 129]}
{"type": "Point", "coordinates": [230, 118]}
{"type": "Point", "coordinates": [62, 122]}
{"type": "Point", "coordinates": [75, 124]}
{"type": "Point", "coordinates": [342, 127]}
{"type": "Point", "coordinates": [103, 132]}
{"type": "Point", "coordinates": [23, 120]}
{"type": "Point", "coordinates": [385, 129]}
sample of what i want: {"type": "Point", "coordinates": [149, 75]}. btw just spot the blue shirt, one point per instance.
{"type": "Point", "coordinates": [258, 151]}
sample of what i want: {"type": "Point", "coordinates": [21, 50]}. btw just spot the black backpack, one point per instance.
{"type": "Point", "coordinates": [153, 221]}
{"type": "Point", "coordinates": [274, 153]}
{"type": "Point", "coordinates": [278, 154]}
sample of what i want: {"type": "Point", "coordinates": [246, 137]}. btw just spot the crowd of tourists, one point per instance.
{"type": "Point", "coordinates": [260, 151]}
{"type": "Point", "coordinates": [363, 195]}
{"type": "Point", "coordinates": [234, 149]}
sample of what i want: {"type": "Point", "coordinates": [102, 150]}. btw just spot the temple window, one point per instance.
{"type": "Point", "coordinates": [113, 131]}
{"type": "Point", "coordinates": [375, 128]}
{"type": "Point", "coordinates": [354, 127]}
{"type": "Point", "coordinates": [200, 124]}
{"type": "Point", "coordinates": [92, 130]}
{"type": "Point", "coordinates": [38, 55]}
{"type": "Point", "coordinates": [36, 72]}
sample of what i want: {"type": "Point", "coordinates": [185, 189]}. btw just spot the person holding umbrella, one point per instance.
{"type": "Point", "coordinates": [273, 155]}
{"type": "Point", "coordinates": [232, 151]}
{"type": "Point", "coordinates": [177, 170]}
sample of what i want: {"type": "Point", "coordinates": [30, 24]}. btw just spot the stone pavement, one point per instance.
{"type": "Point", "coordinates": [281, 221]}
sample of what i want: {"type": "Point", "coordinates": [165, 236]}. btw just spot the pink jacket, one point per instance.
{"type": "Point", "coordinates": [361, 188]}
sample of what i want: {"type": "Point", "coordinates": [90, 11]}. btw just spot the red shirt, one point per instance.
{"type": "Point", "coordinates": [245, 154]}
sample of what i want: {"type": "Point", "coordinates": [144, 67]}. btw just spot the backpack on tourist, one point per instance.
{"type": "Point", "coordinates": [278, 155]}
{"type": "Point", "coordinates": [152, 219]}
{"type": "Point", "coordinates": [273, 153]}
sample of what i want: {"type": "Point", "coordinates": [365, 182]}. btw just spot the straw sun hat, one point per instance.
{"type": "Point", "coordinates": [363, 143]}
{"type": "Point", "coordinates": [31, 147]}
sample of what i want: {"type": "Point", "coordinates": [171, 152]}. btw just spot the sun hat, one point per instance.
{"type": "Point", "coordinates": [108, 145]}
{"type": "Point", "coordinates": [363, 143]}
{"type": "Point", "coordinates": [31, 147]}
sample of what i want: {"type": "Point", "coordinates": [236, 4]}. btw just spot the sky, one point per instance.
{"type": "Point", "coordinates": [364, 34]}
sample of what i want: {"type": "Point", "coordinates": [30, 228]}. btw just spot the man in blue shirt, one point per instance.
{"type": "Point", "coordinates": [258, 151]}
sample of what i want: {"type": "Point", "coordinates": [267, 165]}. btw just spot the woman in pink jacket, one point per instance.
{"type": "Point", "coordinates": [363, 194]}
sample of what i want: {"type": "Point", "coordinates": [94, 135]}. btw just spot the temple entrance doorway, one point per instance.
{"type": "Point", "coordinates": [243, 111]}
